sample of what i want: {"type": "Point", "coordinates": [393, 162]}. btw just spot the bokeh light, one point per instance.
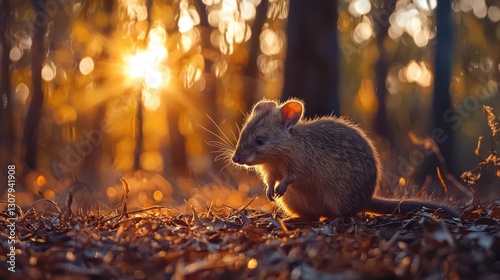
{"type": "Point", "coordinates": [41, 181]}
{"type": "Point", "coordinates": [22, 92]}
{"type": "Point", "coordinates": [158, 195]}
{"type": "Point", "coordinates": [86, 65]}
{"type": "Point", "coordinates": [412, 20]}
{"type": "Point", "coordinates": [232, 18]}
{"type": "Point", "coordinates": [426, 5]}
{"type": "Point", "coordinates": [416, 72]}
{"type": "Point", "coordinates": [48, 71]}
{"type": "Point", "coordinates": [149, 65]}
{"type": "Point", "coordinates": [494, 13]}
{"type": "Point", "coordinates": [111, 192]}
{"type": "Point", "coordinates": [252, 263]}
{"type": "Point", "coordinates": [363, 31]}
{"type": "Point", "coordinates": [15, 54]}
{"type": "Point", "coordinates": [270, 43]}
{"type": "Point", "coordinates": [359, 7]}
{"type": "Point", "coordinates": [49, 194]}
{"type": "Point", "coordinates": [151, 99]}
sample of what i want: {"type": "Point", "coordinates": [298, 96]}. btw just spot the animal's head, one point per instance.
{"type": "Point", "coordinates": [267, 131]}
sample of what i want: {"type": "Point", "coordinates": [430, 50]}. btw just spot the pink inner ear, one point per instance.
{"type": "Point", "coordinates": [291, 113]}
{"type": "Point", "coordinates": [291, 109]}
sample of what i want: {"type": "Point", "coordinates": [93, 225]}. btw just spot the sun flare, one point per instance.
{"type": "Point", "coordinates": [149, 64]}
{"type": "Point", "coordinates": [145, 65]}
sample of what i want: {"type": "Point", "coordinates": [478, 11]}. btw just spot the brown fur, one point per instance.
{"type": "Point", "coordinates": [325, 167]}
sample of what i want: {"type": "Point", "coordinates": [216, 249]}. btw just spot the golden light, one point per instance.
{"type": "Point", "coordinates": [111, 192]}
{"type": "Point", "coordinates": [247, 10]}
{"type": "Point", "coordinates": [149, 64]}
{"type": "Point", "coordinates": [157, 195]}
{"type": "Point", "coordinates": [48, 71]}
{"type": "Point", "coordinates": [270, 43]}
{"type": "Point", "coordinates": [252, 264]}
{"type": "Point", "coordinates": [426, 5]}
{"type": "Point", "coordinates": [232, 19]}
{"type": "Point", "coordinates": [49, 194]}
{"type": "Point", "coordinates": [152, 160]}
{"type": "Point", "coordinates": [22, 92]}
{"type": "Point", "coordinates": [15, 54]}
{"type": "Point", "coordinates": [151, 99]}
{"type": "Point", "coordinates": [363, 31]}
{"type": "Point", "coordinates": [41, 181]}
{"type": "Point", "coordinates": [414, 20]}
{"type": "Point", "coordinates": [211, 2]}
{"type": "Point", "coordinates": [359, 7]}
{"type": "Point", "coordinates": [413, 72]}
{"type": "Point", "coordinates": [143, 65]}
{"type": "Point", "coordinates": [188, 17]}
{"type": "Point", "coordinates": [402, 181]}
{"type": "Point", "coordinates": [366, 97]}
{"type": "Point", "coordinates": [426, 79]}
{"type": "Point", "coordinates": [186, 23]}
{"type": "Point", "coordinates": [65, 114]}
{"type": "Point", "coordinates": [70, 256]}
{"type": "Point", "coordinates": [417, 72]}
{"type": "Point", "coordinates": [86, 65]}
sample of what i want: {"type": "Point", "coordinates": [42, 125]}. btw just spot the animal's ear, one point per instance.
{"type": "Point", "coordinates": [264, 106]}
{"type": "Point", "coordinates": [291, 113]}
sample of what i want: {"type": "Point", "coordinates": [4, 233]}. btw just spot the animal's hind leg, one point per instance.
{"type": "Point", "coordinates": [296, 206]}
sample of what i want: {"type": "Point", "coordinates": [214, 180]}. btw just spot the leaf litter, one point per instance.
{"type": "Point", "coordinates": [227, 243]}
{"type": "Point", "coordinates": [163, 242]}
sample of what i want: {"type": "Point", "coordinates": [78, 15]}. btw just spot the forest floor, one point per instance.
{"type": "Point", "coordinates": [229, 243]}
{"type": "Point", "coordinates": [250, 241]}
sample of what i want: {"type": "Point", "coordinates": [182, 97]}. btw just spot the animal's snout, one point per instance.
{"type": "Point", "coordinates": [236, 158]}
{"type": "Point", "coordinates": [244, 158]}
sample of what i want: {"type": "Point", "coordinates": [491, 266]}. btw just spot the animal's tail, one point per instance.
{"type": "Point", "coordinates": [388, 206]}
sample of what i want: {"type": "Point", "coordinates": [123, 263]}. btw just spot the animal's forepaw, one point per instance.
{"type": "Point", "coordinates": [280, 190]}
{"type": "Point", "coordinates": [270, 194]}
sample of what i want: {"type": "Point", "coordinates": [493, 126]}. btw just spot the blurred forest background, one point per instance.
{"type": "Point", "coordinates": [92, 91]}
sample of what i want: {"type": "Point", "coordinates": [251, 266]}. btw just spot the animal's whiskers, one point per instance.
{"type": "Point", "coordinates": [224, 146]}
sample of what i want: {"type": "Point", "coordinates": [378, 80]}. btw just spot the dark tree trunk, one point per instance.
{"type": "Point", "coordinates": [38, 54]}
{"type": "Point", "coordinates": [311, 66]}
{"type": "Point", "coordinates": [6, 121]}
{"type": "Point", "coordinates": [443, 67]}
{"type": "Point", "coordinates": [177, 143]}
{"type": "Point", "coordinates": [382, 12]}
{"type": "Point", "coordinates": [251, 70]}
{"type": "Point", "coordinates": [139, 135]}
{"type": "Point", "coordinates": [441, 103]}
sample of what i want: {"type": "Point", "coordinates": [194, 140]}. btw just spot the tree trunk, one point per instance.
{"type": "Point", "coordinates": [251, 70]}
{"type": "Point", "coordinates": [441, 103]}
{"type": "Point", "coordinates": [6, 120]}
{"type": "Point", "coordinates": [443, 67]}
{"type": "Point", "coordinates": [311, 66]}
{"type": "Point", "coordinates": [382, 12]}
{"type": "Point", "coordinates": [38, 55]}
{"type": "Point", "coordinates": [139, 135]}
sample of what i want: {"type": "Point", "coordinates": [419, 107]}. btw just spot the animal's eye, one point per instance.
{"type": "Point", "coordinates": [259, 140]}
